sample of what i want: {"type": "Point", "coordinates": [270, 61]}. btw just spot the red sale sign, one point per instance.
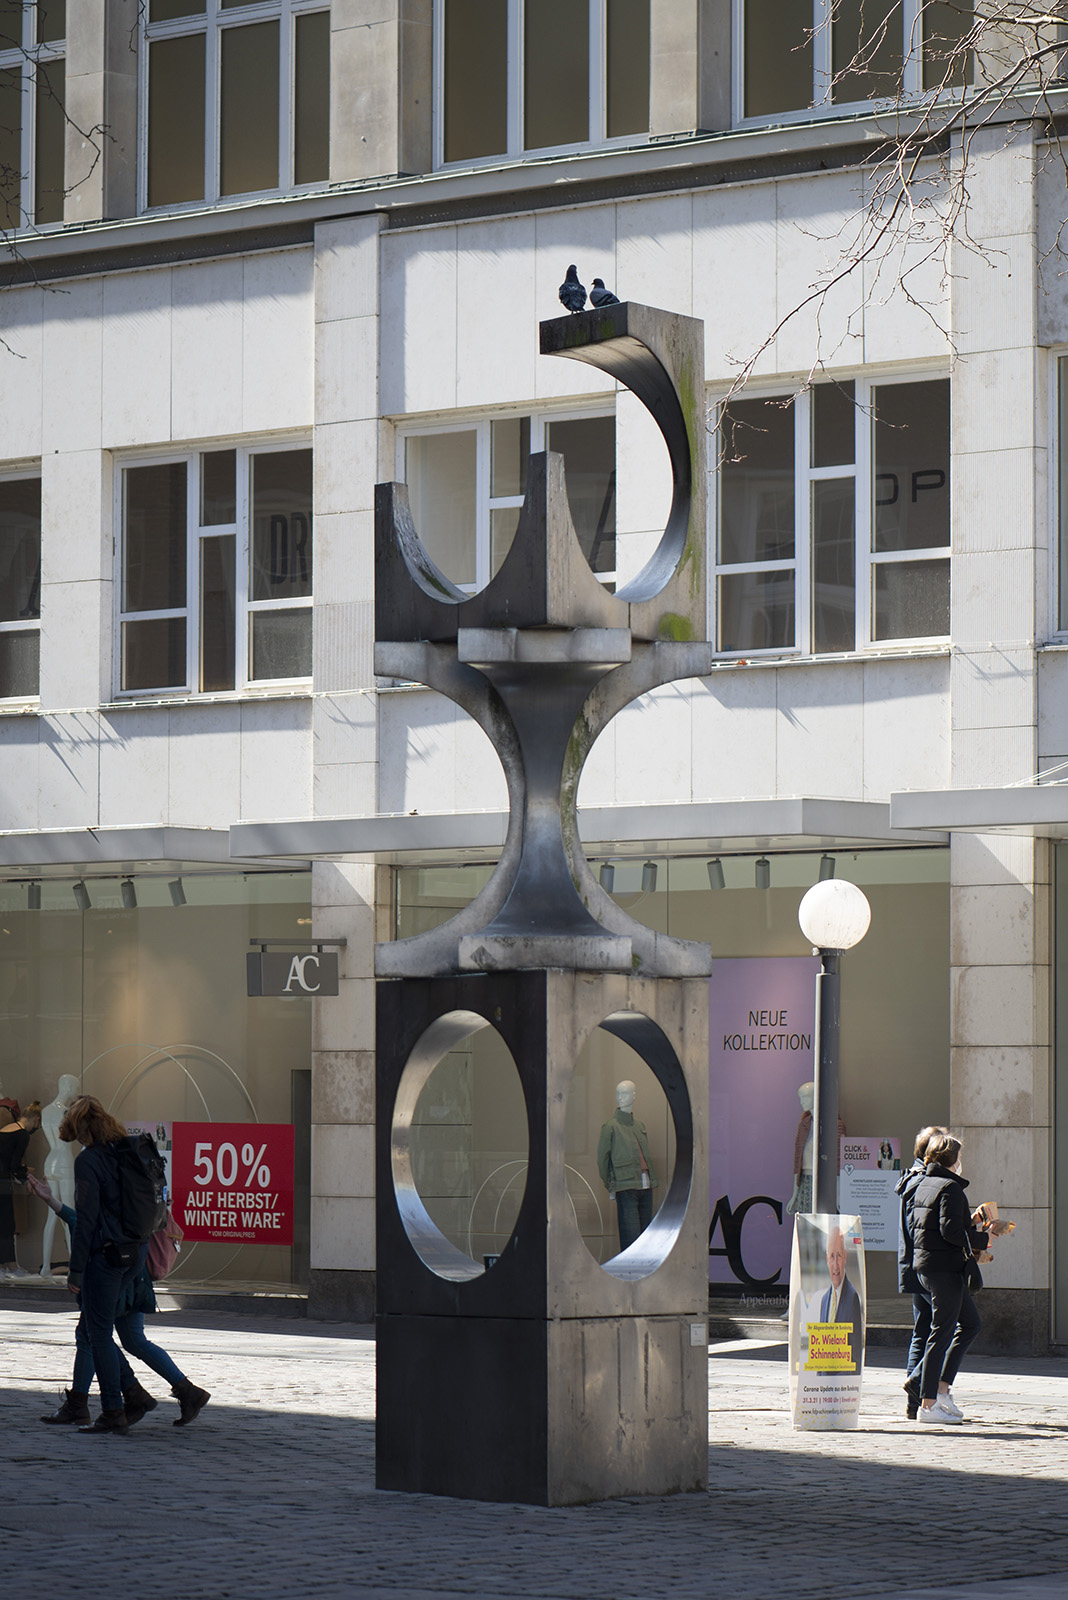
{"type": "Point", "coordinates": [232, 1182]}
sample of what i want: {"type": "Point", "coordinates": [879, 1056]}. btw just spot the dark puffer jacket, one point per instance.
{"type": "Point", "coordinates": [907, 1184]}
{"type": "Point", "coordinates": [97, 1203]}
{"type": "Point", "coordinates": [942, 1232]}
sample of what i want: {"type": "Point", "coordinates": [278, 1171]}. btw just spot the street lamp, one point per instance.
{"type": "Point", "coordinates": [835, 916]}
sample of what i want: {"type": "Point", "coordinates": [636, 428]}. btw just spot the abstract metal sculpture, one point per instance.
{"type": "Point", "coordinates": [546, 1377]}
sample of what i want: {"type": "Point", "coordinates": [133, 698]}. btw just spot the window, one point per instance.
{"type": "Point", "coordinates": [834, 518]}
{"type": "Point", "coordinates": [217, 570]}
{"type": "Point", "coordinates": [32, 115]}
{"type": "Point", "coordinates": [800, 55]}
{"type": "Point", "coordinates": [466, 486]}
{"type": "Point", "coordinates": [20, 587]}
{"type": "Point", "coordinates": [517, 75]}
{"type": "Point", "coordinates": [236, 98]}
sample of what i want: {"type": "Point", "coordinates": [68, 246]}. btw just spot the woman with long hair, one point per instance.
{"type": "Point", "coordinates": [102, 1263]}
{"type": "Point", "coordinates": [944, 1236]}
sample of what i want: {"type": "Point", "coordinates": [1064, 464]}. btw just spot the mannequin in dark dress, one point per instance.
{"type": "Point", "coordinates": [14, 1138]}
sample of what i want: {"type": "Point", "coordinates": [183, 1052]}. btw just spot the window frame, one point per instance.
{"type": "Point", "coordinates": [212, 22]}
{"type": "Point", "coordinates": [823, 106]}
{"type": "Point", "coordinates": [516, 150]}
{"type": "Point", "coordinates": [485, 503]}
{"type": "Point", "coordinates": [27, 57]}
{"type": "Point", "coordinates": [865, 557]}
{"type": "Point", "coordinates": [245, 608]}
{"type": "Point", "coordinates": [24, 474]}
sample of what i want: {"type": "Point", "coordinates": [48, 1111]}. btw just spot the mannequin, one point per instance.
{"type": "Point", "coordinates": [801, 1199]}
{"type": "Point", "coordinates": [14, 1137]}
{"type": "Point", "coordinates": [59, 1165]}
{"type": "Point", "coordinates": [625, 1168]}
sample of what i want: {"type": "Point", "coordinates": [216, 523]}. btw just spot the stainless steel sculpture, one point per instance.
{"type": "Point", "coordinates": [548, 1378]}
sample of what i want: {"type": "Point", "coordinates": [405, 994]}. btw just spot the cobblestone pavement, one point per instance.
{"type": "Point", "coordinates": [271, 1491]}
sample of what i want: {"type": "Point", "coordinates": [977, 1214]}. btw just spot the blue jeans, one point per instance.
{"type": "Point", "coordinates": [921, 1327]}
{"type": "Point", "coordinates": [955, 1324]}
{"type": "Point", "coordinates": [634, 1208]}
{"type": "Point", "coordinates": [131, 1331]}
{"type": "Point", "coordinates": [102, 1287]}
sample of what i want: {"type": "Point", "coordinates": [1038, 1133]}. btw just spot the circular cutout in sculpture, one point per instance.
{"type": "Point", "coordinates": [460, 1146]}
{"type": "Point", "coordinates": [629, 1145]}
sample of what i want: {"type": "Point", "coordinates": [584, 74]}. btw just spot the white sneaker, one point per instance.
{"type": "Point", "coordinates": [947, 1402]}
{"type": "Point", "coordinates": [937, 1415]}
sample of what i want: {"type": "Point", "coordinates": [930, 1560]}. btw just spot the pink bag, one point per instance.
{"type": "Point", "coordinates": [163, 1249]}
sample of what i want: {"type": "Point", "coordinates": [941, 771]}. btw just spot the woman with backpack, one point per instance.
{"type": "Point", "coordinates": [137, 1300]}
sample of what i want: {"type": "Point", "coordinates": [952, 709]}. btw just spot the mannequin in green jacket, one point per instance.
{"type": "Point", "coordinates": [625, 1167]}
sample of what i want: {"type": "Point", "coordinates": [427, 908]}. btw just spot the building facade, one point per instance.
{"type": "Point", "coordinates": [262, 256]}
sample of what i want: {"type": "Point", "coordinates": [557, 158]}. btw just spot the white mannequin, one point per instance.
{"type": "Point", "coordinates": [806, 1094]}
{"type": "Point", "coordinates": [626, 1095]}
{"type": "Point", "coordinates": [59, 1164]}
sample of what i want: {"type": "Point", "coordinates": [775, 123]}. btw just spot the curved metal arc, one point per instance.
{"type": "Point", "coordinates": [421, 569]}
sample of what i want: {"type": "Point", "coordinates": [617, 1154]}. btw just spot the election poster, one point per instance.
{"type": "Point", "coordinates": [233, 1181]}
{"type": "Point", "coordinates": [827, 1321]}
{"type": "Point", "coordinates": [869, 1171]}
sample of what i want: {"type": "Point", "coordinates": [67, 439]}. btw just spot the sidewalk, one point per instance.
{"type": "Point", "coordinates": [271, 1491]}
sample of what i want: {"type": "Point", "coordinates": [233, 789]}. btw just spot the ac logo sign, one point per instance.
{"type": "Point", "coordinates": [292, 972]}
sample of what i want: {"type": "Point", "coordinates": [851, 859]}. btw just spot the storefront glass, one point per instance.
{"type": "Point", "coordinates": [136, 987]}
{"type": "Point", "coordinates": [894, 1034]}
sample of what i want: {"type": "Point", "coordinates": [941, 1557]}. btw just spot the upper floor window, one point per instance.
{"type": "Point", "coordinates": [466, 485]}
{"type": "Point", "coordinates": [216, 578]}
{"type": "Point", "coordinates": [235, 98]}
{"type": "Point", "coordinates": [20, 587]}
{"type": "Point", "coordinates": [516, 75]}
{"type": "Point", "coordinates": [32, 112]}
{"type": "Point", "coordinates": [834, 518]}
{"type": "Point", "coordinates": [804, 55]}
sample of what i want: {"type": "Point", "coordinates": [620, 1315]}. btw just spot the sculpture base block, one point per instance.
{"type": "Point", "coordinates": [542, 1412]}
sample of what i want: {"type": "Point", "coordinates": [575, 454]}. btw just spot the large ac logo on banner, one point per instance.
{"type": "Point", "coordinates": [762, 1023]}
{"type": "Point", "coordinates": [292, 972]}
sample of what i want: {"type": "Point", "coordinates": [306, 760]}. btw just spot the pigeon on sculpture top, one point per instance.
{"type": "Point", "coordinates": [600, 296]}
{"type": "Point", "coordinates": [572, 293]}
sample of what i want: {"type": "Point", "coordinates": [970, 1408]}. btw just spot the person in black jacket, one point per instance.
{"type": "Point", "coordinates": [102, 1263]}
{"type": "Point", "coordinates": [907, 1280]}
{"type": "Point", "coordinates": [944, 1236]}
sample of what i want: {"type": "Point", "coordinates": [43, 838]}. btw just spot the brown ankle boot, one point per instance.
{"type": "Point", "coordinates": [191, 1399]}
{"type": "Point", "coordinates": [75, 1408]}
{"type": "Point", "coordinates": [135, 1402]}
{"type": "Point", "coordinates": [109, 1422]}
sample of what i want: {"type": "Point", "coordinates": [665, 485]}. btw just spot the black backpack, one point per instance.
{"type": "Point", "coordinates": [142, 1186]}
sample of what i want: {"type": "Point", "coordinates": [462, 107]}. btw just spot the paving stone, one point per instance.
{"type": "Point", "coordinates": [271, 1491]}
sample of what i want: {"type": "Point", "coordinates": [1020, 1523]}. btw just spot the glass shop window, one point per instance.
{"type": "Point", "coordinates": [20, 587]}
{"type": "Point", "coordinates": [33, 118]}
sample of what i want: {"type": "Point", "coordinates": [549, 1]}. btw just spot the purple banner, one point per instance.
{"type": "Point", "coordinates": [761, 1035]}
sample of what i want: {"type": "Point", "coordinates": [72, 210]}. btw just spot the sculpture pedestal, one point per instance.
{"type": "Point", "coordinates": [547, 1378]}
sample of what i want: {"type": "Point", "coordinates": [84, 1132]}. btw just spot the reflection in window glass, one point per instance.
{"type": "Point", "coordinates": [10, 148]}
{"type": "Point", "coordinates": [440, 473]}
{"type": "Point", "coordinates": [176, 120]}
{"type": "Point", "coordinates": [509, 453]}
{"type": "Point", "coordinates": [167, 10]}
{"type": "Point", "coordinates": [153, 653]}
{"type": "Point", "coordinates": [756, 610]}
{"type": "Point", "coordinates": [833, 425]}
{"type": "Point", "coordinates": [778, 56]}
{"type": "Point", "coordinates": [51, 20]}
{"type": "Point", "coordinates": [248, 110]}
{"type": "Point", "coordinates": [757, 498]}
{"type": "Point", "coordinates": [476, 79]}
{"type": "Point", "coordinates": [910, 599]}
{"type": "Point", "coordinates": [20, 672]}
{"type": "Point", "coordinates": [946, 64]}
{"type": "Point", "coordinates": [218, 487]}
{"type": "Point", "coordinates": [867, 55]}
{"type": "Point", "coordinates": [503, 525]}
{"type": "Point", "coordinates": [281, 644]}
{"type": "Point", "coordinates": [154, 577]}
{"type": "Point", "coordinates": [556, 76]}
{"type": "Point", "coordinates": [281, 551]}
{"type": "Point", "coordinates": [911, 485]}
{"type": "Point", "coordinates": [51, 135]}
{"type": "Point", "coordinates": [311, 98]}
{"type": "Point", "coordinates": [218, 562]}
{"type": "Point", "coordinates": [588, 446]}
{"type": "Point", "coordinates": [20, 549]}
{"type": "Point", "coordinates": [833, 564]}
{"type": "Point", "coordinates": [627, 76]}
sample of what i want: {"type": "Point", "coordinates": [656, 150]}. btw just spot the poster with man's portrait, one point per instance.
{"type": "Point", "coordinates": [827, 1311]}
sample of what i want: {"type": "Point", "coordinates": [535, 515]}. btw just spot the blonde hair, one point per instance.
{"type": "Point", "coordinates": [943, 1151]}
{"type": "Point", "coordinates": [87, 1122]}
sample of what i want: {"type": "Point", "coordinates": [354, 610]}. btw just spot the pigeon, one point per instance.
{"type": "Point", "coordinates": [572, 293]}
{"type": "Point", "coordinates": [600, 296]}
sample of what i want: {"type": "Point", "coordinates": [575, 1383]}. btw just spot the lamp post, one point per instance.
{"type": "Point", "coordinates": [835, 916]}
